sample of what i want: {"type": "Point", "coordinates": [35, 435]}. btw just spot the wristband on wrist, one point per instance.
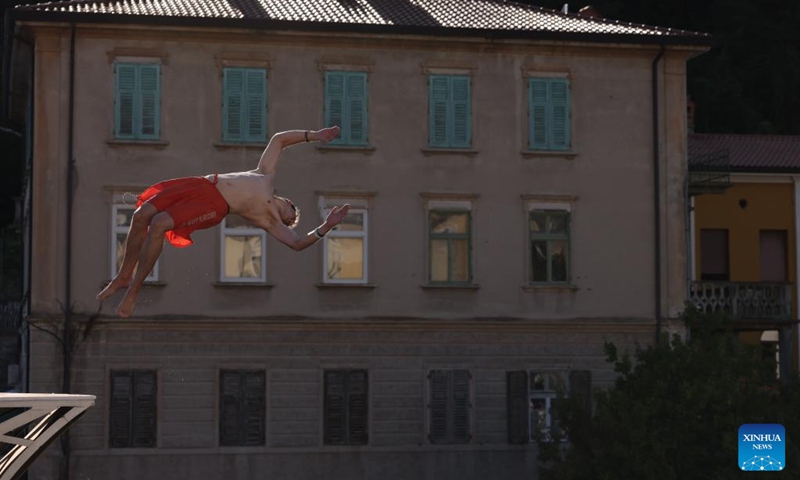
{"type": "Point", "coordinates": [306, 133]}
{"type": "Point", "coordinates": [317, 234]}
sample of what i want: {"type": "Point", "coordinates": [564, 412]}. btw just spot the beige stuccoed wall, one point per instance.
{"type": "Point", "coordinates": [611, 175]}
{"type": "Point", "coordinates": [612, 247]}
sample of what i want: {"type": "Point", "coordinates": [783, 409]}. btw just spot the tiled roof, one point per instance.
{"type": "Point", "coordinates": [749, 153]}
{"type": "Point", "coordinates": [490, 15]}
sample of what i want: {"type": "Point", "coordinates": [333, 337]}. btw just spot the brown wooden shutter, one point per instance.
{"type": "Point", "coordinates": [462, 406]}
{"type": "Point", "coordinates": [437, 406]}
{"type": "Point", "coordinates": [254, 408]}
{"type": "Point", "coordinates": [334, 420]}
{"type": "Point", "coordinates": [144, 409]}
{"type": "Point", "coordinates": [518, 407]}
{"type": "Point", "coordinates": [229, 403]}
{"type": "Point", "coordinates": [357, 407]}
{"type": "Point", "coordinates": [120, 409]}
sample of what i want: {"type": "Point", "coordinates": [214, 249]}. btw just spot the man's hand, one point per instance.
{"type": "Point", "coordinates": [326, 134]}
{"type": "Point", "coordinates": [336, 215]}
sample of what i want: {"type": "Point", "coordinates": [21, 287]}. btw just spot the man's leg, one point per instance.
{"type": "Point", "coordinates": [133, 245]}
{"type": "Point", "coordinates": [151, 249]}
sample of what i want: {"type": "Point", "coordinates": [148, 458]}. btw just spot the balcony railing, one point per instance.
{"type": "Point", "coordinates": [744, 300]}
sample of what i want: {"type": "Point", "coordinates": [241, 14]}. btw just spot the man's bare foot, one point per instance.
{"type": "Point", "coordinates": [112, 287]}
{"type": "Point", "coordinates": [125, 308]}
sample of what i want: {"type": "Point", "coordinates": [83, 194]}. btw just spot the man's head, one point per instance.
{"type": "Point", "coordinates": [290, 214]}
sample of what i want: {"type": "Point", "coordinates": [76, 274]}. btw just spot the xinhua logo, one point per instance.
{"type": "Point", "coordinates": [762, 447]}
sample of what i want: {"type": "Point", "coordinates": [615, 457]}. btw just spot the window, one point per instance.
{"type": "Point", "coordinates": [449, 406]}
{"type": "Point", "coordinates": [137, 101]}
{"type": "Point", "coordinates": [132, 409]}
{"type": "Point", "coordinates": [244, 105]}
{"type": "Point", "coordinates": [549, 245]}
{"type": "Point", "coordinates": [714, 263]}
{"type": "Point", "coordinates": [346, 106]}
{"type": "Point", "coordinates": [243, 254]}
{"type": "Point", "coordinates": [773, 259]}
{"type": "Point", "coordinates": [450, 112]}
{"type": "Point", "coordinates": [121, 222]}
{"type": "Point", "coordinates": [242, 408]}
{"type": "Point", "coordinates": [450, 245]}
{"type": "Point", "coordinates": [548, 114]}
{"type": "Point", "coordinates": [532, 396]}
{"type": "Point", "coordinates": [345, 249]}
{"type": "Point", "coordinates": [345, 415]}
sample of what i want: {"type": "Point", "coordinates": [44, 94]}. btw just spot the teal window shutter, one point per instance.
{"type": "Point", "coordinates": [346, 106]}
{"type": "Point", "coordinates": [439, 94]}
{"type": "Point", "coordinates": [124, 95]}
{"type": "Point", "coordinates": [137, 101]}
{"type": "Point", "coordinates": [548, 114]}
{"type": "Point", "coordinates": [149, 101]}
{"type": "Point", "coordinates": [244, 105]}
{"type": "Point", "coordinates": [537, 122]}
{"type": "Point", "coordinates": [450, 112]}
{"type": "Point", "coordinates": [559, 104]}
{"type": "Point", "coordinates": [256, 102]}
{"type": "Point", "coordinates": [356, 109]}
{"type": "Point", "coordinates": [334, 102]}
{"type": "Point", "coordinates": [232, 93]}
{"type": "Point", "coordinates": [462, 121]}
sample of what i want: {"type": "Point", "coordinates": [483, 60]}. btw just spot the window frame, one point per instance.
{"type": "Point", "coordinates": [345, 136]}
{"type": "Point", "coordinates": [443, 208]}
{"type": "Point", "coordinates": [137, 109]}
{"type": "Point", "coordinates": [153, 276]}
{"type": "Point", "coordinates": [336, 233]}
{"type": "Point", "coordinates": [245, 138]}
{"type": "Point", "coordinates": [549, 80]}
{"type": "Point", "coordinates": [548, 209]}
{"type": "Point", "coordinates": [548, 395]}
{"type": "Point", "coordinates": [242, 232]}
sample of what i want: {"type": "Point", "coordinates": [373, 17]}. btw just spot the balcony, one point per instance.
{"type": "Point", "coordinates": [709, 172]}
{"type": "Point", "coordinates": [749, 301]}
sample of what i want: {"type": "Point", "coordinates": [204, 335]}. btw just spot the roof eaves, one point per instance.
{"type": "Point", "coordinates": [80, 17]}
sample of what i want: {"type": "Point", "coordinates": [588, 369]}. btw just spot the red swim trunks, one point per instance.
{"type": "Point", "coordinates": [194, 203]}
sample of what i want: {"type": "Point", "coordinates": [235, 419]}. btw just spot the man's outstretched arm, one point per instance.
{"type": "Point", "coordinates": [291, 239]}
{"type": "Point", "coordinates": [281, 140]}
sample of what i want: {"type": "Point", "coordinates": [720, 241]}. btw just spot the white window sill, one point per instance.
{"type": "Point", "coordinates": [565, 154]}
{"type": "Point", "coordinates": [117, 143]}
{"type": "Point", "coordinates": [147, 283]}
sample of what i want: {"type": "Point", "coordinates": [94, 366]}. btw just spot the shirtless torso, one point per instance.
{"type": "Point", "coordinates": [250, 195]}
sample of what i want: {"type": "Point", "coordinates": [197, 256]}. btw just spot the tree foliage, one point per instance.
{"type": "Point", "coordinates": [674, 412]}
{"type": "Point", "coordinates": [747, 83]}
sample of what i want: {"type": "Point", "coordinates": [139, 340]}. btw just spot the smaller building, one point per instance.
{"type": "Point", "coordinates": [744, 236]}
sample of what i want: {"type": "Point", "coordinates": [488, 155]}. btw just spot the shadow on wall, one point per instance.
{"type": "Point", "coordinates": [249, 8]}
{"type": "Point", "coordinates": [396, 12]}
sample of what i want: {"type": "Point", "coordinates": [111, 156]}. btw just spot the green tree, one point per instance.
{"type": "Point", "coordinates": [674, 412]}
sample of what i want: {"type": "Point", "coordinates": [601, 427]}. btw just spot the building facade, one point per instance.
{"type": "Point", "coordinates": [744, 224]}
{"type": "Point", "coordinates": [499, 159]}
